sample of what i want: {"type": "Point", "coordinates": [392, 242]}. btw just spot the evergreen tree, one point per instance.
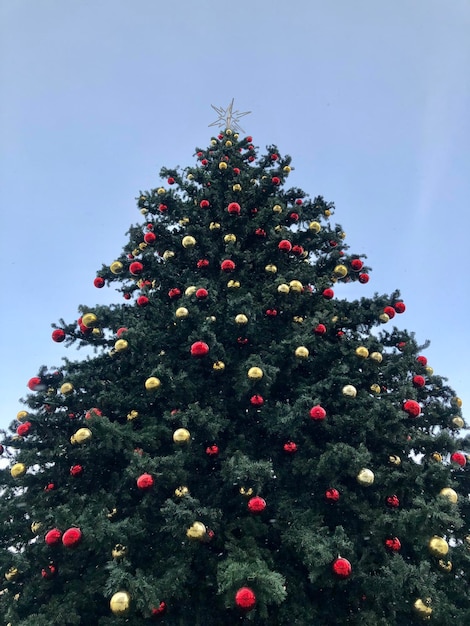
{"type": "Point", "coordinates": [243, 445]}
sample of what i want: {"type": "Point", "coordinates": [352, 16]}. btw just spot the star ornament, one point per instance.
{"type": "Point", "coordinates": [228, 118]}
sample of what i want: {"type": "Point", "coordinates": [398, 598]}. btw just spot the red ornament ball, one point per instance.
{"type": "Point", "coordinates": [276, 180]}
{"type": "Point", "coordinates": [412, 408]}
{"type": "Point", "coordinates": [290, 447]}
{"type": "Point", "coordinates": [142, 301]}
{"type": "Point", "coordinates": [159, 611]}
{"type": "Point", "coordinates": [234, 208]}
{"type": "Point", "coordinates": [317, 412]}
{"type": "Point", "coordinates": [422, 360]}
{"type": "Point", "coordinates": [399, 307]}
{"type": "Point", "coordinates": [328, 293]}
{"type": "Point", "coordinates": [393, 544]}
{"type": "Point", "coordinates": [201, 294]}
{"type": "Point", "coordinates": [127, 296]}
{"type": "Point", "coordinates": [227, 266]}
{"type": "Point", "coordinates": [212, 450]}
{"type": "Point", "coordinates": [245, 598]}
{"type": "Point", "coordinates": [72, 537]}
{"type": "Point", "coordinates": [459, 458]}
{"type": "Point", "coordinates": [297, 250]}
{"type": "Point", "coordinates": [23, 429]}
{"type": "Point", "coordinates": [342, 567]}
{"type": "Point", "coordinates": [236, 170]}
{"type": "Point", "coordinates": [94, 412]}
{"type": "Point", "coordinates": [202, 263]}
{"type": "Point", "coordinates": [58, 335]}
{"type": "Point", "coordinates": [171, 180]}
{"type": "Point", "coordinates": [332, 494]}
{"type": "Point", "coordinates": [363, 278]}
{"type": "Point", "coordinates": [271, 312]}
{"type": "Point", "coordinates": [320, 329]}
{"type": "Point", "coordinates": [299, 201]}
{"type": "Point", "coordinates": [357, 264]}
{"type": "Point", "coordinates": [419, 381]}
{"type": "Point", "coordinates": [174, 293]}
{"type": "Point", "coordinates": [390, 311]}
{"type": "Point", "coordinates": [204, 162]}
{"type": "Point", "coordinates": [162, 208]}
{"type": "Point", "coordinates": [251, 158]}
{"type": "Point", "coordinates": [204, 204]}
{"type": "Point", "coordinates": [199, 349]}
{"type": "Point", "coordinates": [294, 217]}
{"type": "Point", "coordinates": [99, 282]}
{"type": "Point", "coordinates": [145, 482]}
{"type": "Point", "coordinates": [149, 237]}
{"type": "Point", "coordinates": [392, 501]}
{"type": "Point", "coordinates": [49, 572]}
{"type": "Point", "coordinates": [274, 157]}
{"type": "Point", "coordinates": [76, 470]}
{"type": "Point", "coordinates": [49, 487]}
{"type": "Point", "coordinates": [260, 232]}
{"type": "Point", "coordinates": [2, 449]}
{"type": "Point", "coordinates": [121, 331]}
{"type": "Point", "coordinates": [257, 400]}
{"type": "Point", "coordinates": [256, 504]}
{"type": "Point", "coordinates": [285, 245]}
{"type": "Point", "coordinates": [36, 384]}
{"type": "Point", "coordinates": [136, 268]}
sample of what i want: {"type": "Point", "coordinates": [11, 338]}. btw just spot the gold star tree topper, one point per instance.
{"type": "Point", "coordinates": [228, 118]}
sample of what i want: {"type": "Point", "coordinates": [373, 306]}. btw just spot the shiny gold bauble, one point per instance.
{"type": "Point", "coordinates": [298, 319]}
{"type": "Point", "coordinates": [66, 388]}
{"type": "Point", "coordinates": [283, 288]}
{"type": "Point", "coordinates": [119, 551]}
{"type": "Point", "coordinates": [246, 491]}
{"type": "Point", "coordinates": [81, 436]}
{"type": "Point", "coordinates": [255, 373]}
{"type": "Point", "coordinates": [277, 208]}
{"type": "Point", "coordinates": [302, 352]}
{"type": "Point", "coordinates": [278, 228]}
{"type": "Point", "coordinates": [120, 603]}
{"type": "Point", "coordinates": [111, 514]}
{"type": "Point", "coordinates": [214, 226]}
{"type": "Point", "coordinates": [132, 415]}
{"type": "Point", "coordinates": [365, 477]}
{"type": "Point", "coordinates": [394, 459]}
{"type": "Point", "coordinates": [116, 267]}
{"type": "Point", "coordinates": [422, 609]}
{"type": "Point", "coordinates": [181, 436]}
{"type": "Point", "coordinates": [182, 491]}
{"type": "Point", "coordinates": [213, 142]}
{"type": "Point", "coordinates": [121, 345]}
{"type": "Point", "coordinates": [135, 252]}
{"type": "Point", "coordinates": [188, 241]}
{"type": "Point", "coordinates": [237, 187]}
{"type": "Point", "coordinates": [429, 370]}
{"type": "Point", "coordinates": [350, 391]}
{"type": "Point", "coordinates": [183, 221]}
{"type": "Point", "coordinates": [315, 226]}
{"type": "Point", "coordinates": [143, 245]}
{"type": "Point", "coordinates": [362, 351]}
{"type": "Point", "coordinates": [211, 318]}
{"type": "Point", "coordinates": [18, 470]}
{"type": "Point", "coordinates": [12, 573]}
{"type": "Point", "coordinates": [161, 191]}
{"type": "Point", "coordinates": [340, 271]}
{"type": "Point", "coordinates": [286, 169]}
{"type": "Point", "coordinates": [21, 415]}
{"type": "Point", "coordinates": [191, 290]}
{"type": "Point", "coordinates": [457, 422]}
{"type": "Point", "coordinates": [181, 312]}
{"type": "Point", "coordinates": [271, 268]}
{"type": "Point", "coordinates": [152, 383]}
{"type": "Point", "coordinates": [327, 212]}
{"type": "Point", "coordinates": [89, 320]}
{"type": "Point", "coordinates": [384, 318]}
{"type": "Point", "coordinates": [445, 566]}
{"type": "Point", "coordinates": [96, 332]}
{"type": "Point", "coordinates": [230, 238]}
{"type": "Point", "coordinates": [375, 388]}
{"type": "Point", "coordinates": [218, 366]}
{"type": "Point", "coordinates": [457, 401]}
{"type": "Point", "coordinates": [435, 456]}
{"type": "Point", "coordinates": [438, 546]}
{"type": "Point", "coordinates": [36, 527]}
{"type": "Point", "coordinates": [190, 176]}
{"type": "Point", "coordinates": [241, 319]}
{"type": "Point", "coordinates": [233, 284]}
{"type": "Point", "coordinates": [144, 211]}
{"type": "Point", "coordinates": [450, 494]}
{"type": "Point", "coordinates": [222, 165]}
{"type": "Point", "coordinates": [296, 286]}
{"type": "Point", "coordinates": [228, 143]}
{"type": "Point", "coordinates": [168, 254]}
{"type": "Point", "coordinates": [196, 531]}
{"type": "Point", "coordinates": [377, 357]}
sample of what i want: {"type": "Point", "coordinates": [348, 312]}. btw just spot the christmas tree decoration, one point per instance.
{"type": "Point", "coordinates": [23, 429]}
{"type": "Point", "coordinates": [412, 408]}
{"type": "Point", "coordinates": [450, 494]}
{"type": "Point", "coordinates": [376, 356]}
{"type": "Point", "coordinates": [218, 366]}
{"type": "Point", "coordinates": [36, 527]}
{"type": "Point", "coordinates": [392, 501]}
{"type": "Point", "coordinates": [120, 603]}
{"type": "Point", "coordinates": [181, 312]}
{"type": "Point", "coordinates": [182, 491]}
{"type": "Point", "coordinates": [349, 391]}
{"type": "Point", "coordinates": [81, 436]}
{"type": "Point", "coordinates": [457, 422]}
{"type": "Point", "coordinates": [21, 415]}
{"type": "Point", "coordinates": [394, 459]}
{"type": "Point", "coordinates": [241, 319]}
{"type": "Point", "coordinates": [12, 574]}
{"type": "Point", "coordinates": [201, 294]}
{"type": "Point", "coordinates": [422, 609]}
{"type": "Point", "coordinates": [296, 286]}
{"type": "Point", "coordinates": [196, 531]}
{"type": "Point", "coordinates": [145, 482]}
{"type": "Point", "coordinates": [188, 242]}
{"type": "Point", "coordinates": [393, 544]}
{"type": "Point", "coordinates": [255, 373]}
{"type": "Point", "coordinates": [245, 599]}
{"type": "Point", "coordinates": [136, 268]}
{"type": "Point", "coordinates": [375, 388]}
{"type": "Point", "coordinates": [332, 494]}
{"type": "Point", "coordinates": [35, 384]}
{"type": "Point", "coordinates": [256, 505]}
{"type": "Point", "coordinates": [233, 284]}
{"type": "Point", "coordinates": [89, 320]}
{"type": "Point", "coordinates": [272, 269]}
{"type": "Point", "coordinates": [53, 537]}
{"type": "Point", "coordinates": [234, 208]}
{"type": "Point", "coordinates": [72, 537]}
{"type": "Point", "coordinates": [152, 383]}
{"type": "Point", "coordinates": [199, 349]}
{"type": "Point", "coordinates": [99, 282]}
{"type": "Point", "coordinates": [438, 546]}
{"type": "Point", "coordinates": [212, 450]}
{"type": "Point", "coordinates": [317, 413]}
{"type": "Point", "coordinates": [66, 388]}
{"type": "Point", "coordinates": [76, 470]}
{"type": "Point", "coordinates": [342, 567]}
{"type": "Point", "coordinates": [159, 611]}
{"type": "Point", "coordinates": [49, 571]}
{"type": "Point", "coordinates": [362, 351]}
{"type": "Point", "coordinates": [283, 288]}
{"type": "Point", "coordinates": [257, 400]}
{"type": "Point", "coordinates": [227, 266]}
{"type": "Point", "coordinates": [340, 271]}
{"type": "Point", "coordinates": [116, 267]}
{"type": "Point", "coordinates": [290, 447]}
{"type": "Point", "coordinates": [58, 335]}
{"type": "Point", "coordinates": [365, 477]}
{"type": "Point", "coordinates": [458, 458]}
{"type": "Point", "coordinates": [419, 381]}
{"type": "Point", "coordinates": [181, 436]}
{"type": "Point", "coordinates": [18, 470]}
{"type": "Point", "coordinates": [230, 238]}
{"type": "Point", "coordinates": [121, 345]}
{"type": "Point", "coordinates": [302, 352]}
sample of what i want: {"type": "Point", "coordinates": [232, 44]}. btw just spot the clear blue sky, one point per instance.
{"type": "Point", "coordinates": [370, 98]}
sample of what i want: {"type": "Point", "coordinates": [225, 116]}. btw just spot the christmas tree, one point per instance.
{"type": "Point", "coordinates": [242, 445]}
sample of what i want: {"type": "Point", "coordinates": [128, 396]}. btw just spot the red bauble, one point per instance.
{"type": "Point", "coordinates": [251, 158]}
{"type": "Point", "coordinates": [249, 140]}
{"type": "Point", "coordinates": [121, 331]}
{"type": "Point", "coordinates": [204, 162]}
{"type": "Point", "coordinates": [245, 599]}
{"type": "Point", "coordinates": [328, 293]}
{"type": "Point", "coordinates": [99, 282]}
{"type": "Point", "coordinates": [23, 429]}
{"type": "Point", "coordinates": [412, 408]}
{"type": "Point", "coordinates": [145, 482]}
{"type": "Point", "coordinates": [419, 381]}
{"type": "Point", "coordinates": [159, 611]}
{"type": "Point", "coordinates": [297, 250]}
{"type": "Point", "coordinates": [320, 329]}
{"type": "Point", "coordinates": [285, 245]}
{"type": "Point", "coordinates": [290, 447]}
{"type": "Point", "coordinates": [257, 400]}
{"type": "Point", "coordinates": [94, 412]}
{"type": "Point", "coordinates": [332, 494]}
{"type": "Point", "coordinates": [390, 311]}
{"type": "Point", "coordinates": [342, 567]}
{"type": "Point", "coordinates": [274, 157]}
{"type": "Point", "coordinates": [149, 237]}
{"type": "Point", "coordinates": [171, 180]}
{"type": "Point", "coordinates": [400, 307]}
{"type": "Point", "coordinates": [256, 504]}
{"type": "Point", "coordinates": [294, 217]}
{"type": "Point", "coordinates": [174, 293]}
{"type": "Point", "coordinates": [363, 278]}
{"type": "Point", "coordinates": [49, 572]}
{"type": "Point", "coordinates": [393, 544]}
{"type": "Point", "coordinates": [357, 264]}
{"type": "Point", "coordinates": [199, 349]}
{"type": "Point", "coordinates": [242, 341]}
{"type": "Point", "coordinates": [393, 502]}
{"type": "Point", "coordinates": [299, 201]}
{"type": "Point", "coordinates": [212, 450]}
{"type": "Point", "coordinates": [204, 204]}
{"type": "Point", "coordinates": [35, 384]}
{"type": "Point", "coordinates": [127, 296]}
{"type": "Point", "coordinates": [459, 458]}
{"type": "Point", "coordinates": [401, 345]}
{"type": "Point", "coordinates": [2, 449]}
{"type": "Point", "coordinates": [76, 470]}
{"type": "Point", "coordinates": [49, 487]}
{"type": "Point", "coordinates": [202, 263]}
{"type": "Point", "coordinates": [136, 268]}
{"type": "Point", "coordinates": [201, 294]}
{"type": "Point", "coordinates": [142, 301]}
{"type": "Point", "coordinates": [53, 537]}
{"type": "Point", "coordinates": [162, 208]}
{"type": "Point", "coordinates": [317, 412]}
{"type": "Point", "coordinates": [422, 360]}
{"type": "Point", "coordinates": [276, 180]}
{"type": "Point", "coordinates": [234, 208]}
{"type": "Point", "coordinates": [260, 232]}
{"type": "Point", "coordinates": [271, 312]}
{"type": "Point", "coordinates": [227, 266]}
{"type": "Point", "coordinates": [72, 537]}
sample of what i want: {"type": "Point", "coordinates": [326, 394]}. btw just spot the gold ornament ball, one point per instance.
{"type": "Point", "coordinates": [161, 191]}
{"type": "Point", "coordinates": [132, 415]}
{"type": "Point", "coordinates": [445, 566]}
{"type": "Point", "coordinates": [190, 176]}
{"type": "Point", "coordinates": [181, 312]}
{"type": "Point", "coordinates": [189, 291]}
{"type": "Point", "coordinates": [375, 388]}
{"type": "Point", "coordinates": [327, 212]}
{"type": "Point", "coordinates": [315, 226]}
{"type": "Point", "coordinates": [422, 609]}
{"type": "Point", "coordinates": [362, 351]}
{"type": "Point", "coordinates": [214, 226]}
{"type": "Point", "coordinates": [228, 143]}
{"type": "Point", "coordinates": [144, 211]}
{"type": "Point", "coordinates": [81, 436]}
{"type": "Point", "coordinates": [277, 208]}
{"type": "Point", "coordinates": [111, 514]}
{"type": "Point", "coordinates": [66, 388]}
{"type": "Point", "coordinates": [438, 546]}
{"type": "Point", "coordinates": [183, 221]}
{"type": "Point", "coordinates": [21, 415]}
{"type": "Point", "coordinates": [182, 491]}
{"type": "Point", "coordinates": [457, 422]}
{"type": "Point", "coordinates": [286, 169]}
{"type": "Point", "coordinates": [121, 345]}
{"type": "Point", "coordinates": [222, 165]}
{"type": "Point", "coordinates": [196, 531]}
{"type": "Point", "coordinates": [298, 319]}
{"type": "Point", "coordinates": [365, 477]}
{"type": "Point", "coordinates": [457, 401]}
{"type": "Point", "coordinates": [237, 187]}
{"type": "Point", "coordinates": [12, 573]}
{"type": "Point", "coordinates": [377, 357]}
{"type": "Point", "coordinates": [429, 370]}
{"type": "Point", "coordinates": [181, 436]}
{"type": "Point", "coordinates": [384, 318]}
{"type": "Point", "coordinates": [246, 491]}
{"type": "Point", "coordinates": [188, 241]}
{"type": "Point", "coordinates": [230, 238]}
{"type": "Point", "coordinates": [168, 254]}
{"type": "Point", "coordinates": [135, 251]}
{"type": "Point", "coordinates": [233, 284]}
{"type": "Point", "coordinates": [349, 391]}
{"type": "Point", "coordinates": [18, 470]}
{"type": "Point", "coordinates": [340, 271]}
{"type": "Point", "coordinates": [435, 456]}
{"type": "Point", "coordinates": [241, 319]}
{"type": "Point", "coordinates": [89, 320]}
{"type": "Point", "coordinates": [143, 245]}
{"type": "Point", "coordinates": [302, 352]}
{"type": "Point", "coordinates": [213, 142]}
{"type": "Point", "coordinates": [271, 268]}
{"type": "Point", "coordinates": [96, 332]}
{"type": "Point", "coordinates": [36, 527]}
{"type": "Point", "coordinates": [120, 603]}
{"type": "Point", "coordinates": [278, 228]}
{"type": "Point", "coordinates": [296, 286]}
{"type": "Point", "coordinates": [394, 459]}
{"type": "Point", "coordinates": [218, 366]}
{"type": "Point", "coordinates": [283, 288]}
{"type": "Point", "coordinates": [152, 383]}
{"type": "Point", "coordinates": [119, 551]}
{"type": "Point", "coordinates": [450, 494]}
{"type": "Point", "coordinates": [116, 267]}
{"type": "Point", "coordinates": [255, 373]}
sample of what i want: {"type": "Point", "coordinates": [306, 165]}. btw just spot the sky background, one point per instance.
{"type": "Point", "coordinates": [371, 99]}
